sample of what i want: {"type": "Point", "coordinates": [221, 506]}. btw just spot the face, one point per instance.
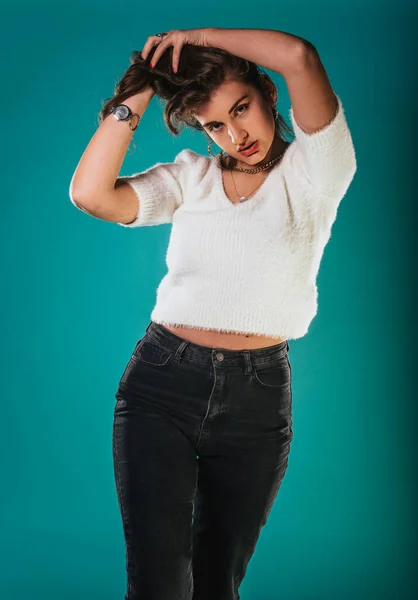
{"type": "Point", "coordinates": [238, 115]}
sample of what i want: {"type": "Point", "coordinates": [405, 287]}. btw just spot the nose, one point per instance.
{"type": "Point", "coordinates": [237, 135]}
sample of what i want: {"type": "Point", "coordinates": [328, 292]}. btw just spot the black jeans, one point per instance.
{"type": "Point", "coordinates": [201, 438]}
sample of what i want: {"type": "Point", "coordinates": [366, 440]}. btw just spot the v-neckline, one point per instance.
{"type": "Point", "coordinates": [219, 176]}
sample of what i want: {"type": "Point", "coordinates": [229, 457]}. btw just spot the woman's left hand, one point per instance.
{"type": "Point", "coordinates": [176, 38]}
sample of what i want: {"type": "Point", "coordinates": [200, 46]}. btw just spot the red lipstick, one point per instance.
{"type": "Point", "coordinates": [251, 149]}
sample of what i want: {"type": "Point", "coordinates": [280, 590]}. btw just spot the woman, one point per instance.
{"type": "Point", "coordinates": [203, 418]}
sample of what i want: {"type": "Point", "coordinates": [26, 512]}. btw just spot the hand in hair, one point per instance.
{"type": "Point", "coordinates": [176, 38]}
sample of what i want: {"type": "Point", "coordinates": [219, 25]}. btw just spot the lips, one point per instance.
{"type": "Point", "coordinates": [246, 147]}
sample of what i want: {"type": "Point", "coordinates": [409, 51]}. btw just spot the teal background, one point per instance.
{"type": "Point", "coordinates": [78, 292]}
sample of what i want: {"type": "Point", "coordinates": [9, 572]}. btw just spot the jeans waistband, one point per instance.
{"type": "Point", "coordinates": [167, 340]}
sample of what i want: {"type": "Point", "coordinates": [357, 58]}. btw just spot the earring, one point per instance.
{"type": "Point", "coordinates": [222, 153]}
{"type": "Point", "coordinates": [275, 113]}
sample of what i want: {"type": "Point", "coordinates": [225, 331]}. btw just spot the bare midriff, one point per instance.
{"type": "Point", "coordinates": [227, 340]}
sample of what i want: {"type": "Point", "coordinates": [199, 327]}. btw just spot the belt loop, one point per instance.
{"type": "Point", "coordinates": [248, 364]}
{"type": "Point", "coordinates": [183, 345]}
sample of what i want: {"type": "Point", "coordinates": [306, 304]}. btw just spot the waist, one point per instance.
{"type": "Point", "coordinates": [223, 339]}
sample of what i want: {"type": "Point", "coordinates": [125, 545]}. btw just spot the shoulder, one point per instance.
{"type": "Point", "coordinates": [192, 158]}
{"type": "Point", "coordinates": [327, 157]}
{"type": "Point", "coordinates": [193, 165]}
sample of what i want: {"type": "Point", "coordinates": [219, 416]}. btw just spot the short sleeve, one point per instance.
{"type": "Point", "coordinates": [160, 191]}
{"type": "Point", "coordinates": [328, 155]}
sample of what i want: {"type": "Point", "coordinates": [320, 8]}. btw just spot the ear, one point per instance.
{"type": "Point", "coordinates": [269, 88]}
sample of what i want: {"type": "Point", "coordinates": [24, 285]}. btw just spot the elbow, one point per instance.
{"type": "Point", "coordinates": [81, 204]}
{"type": "Point", "coordinates": [305, 52]}
{"type": "Point", "coordinates": [75, 201]}
{"type": "Point", "coordinates": [81, 199]}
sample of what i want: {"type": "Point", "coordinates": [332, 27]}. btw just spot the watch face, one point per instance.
{"type": "Point", "coordinates": [121, 112]}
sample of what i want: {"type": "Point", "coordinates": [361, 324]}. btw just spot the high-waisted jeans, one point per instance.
{"type": "Point", "coordinates": [201, 438]}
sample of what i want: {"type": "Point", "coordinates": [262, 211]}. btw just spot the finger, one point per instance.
{"type": "Point", "coordinates": [147, 47]}
{"type": "Point", "coordinates": [176, 56]}
{"type": "Point", "coordinates": [159, 51]}
{"type": "Point", "coordinates": [152, 41]}
{"type": "Point", "coordinates": [169, 40]}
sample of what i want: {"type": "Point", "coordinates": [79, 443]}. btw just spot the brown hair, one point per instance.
{"type": "Point", "coordinates": [201, 71]}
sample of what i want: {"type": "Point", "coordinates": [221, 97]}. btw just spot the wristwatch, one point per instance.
{"type": "Point", "coordinates": [122, 112]}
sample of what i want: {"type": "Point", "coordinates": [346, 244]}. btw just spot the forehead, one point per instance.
{"type": "Point", "coordinates": [222, 99]}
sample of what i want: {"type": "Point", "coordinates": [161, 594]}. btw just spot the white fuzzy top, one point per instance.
{"type": "Point", "coordinates": [249, 267]}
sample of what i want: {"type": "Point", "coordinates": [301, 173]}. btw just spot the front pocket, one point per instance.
{"type": "Point", "coordinates": [151, 354]}
{"type": "Point", "coordinates": [275, 375]}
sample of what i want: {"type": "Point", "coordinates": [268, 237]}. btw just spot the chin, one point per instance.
{"type": "Point", "coordinates": [254, 158]}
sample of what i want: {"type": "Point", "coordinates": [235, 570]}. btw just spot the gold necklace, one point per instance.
{"type": "Point", "coordinates": [257, 170]}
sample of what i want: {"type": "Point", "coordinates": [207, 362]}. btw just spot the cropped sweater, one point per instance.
{"type": "Point", "coordinates": [250, 267]}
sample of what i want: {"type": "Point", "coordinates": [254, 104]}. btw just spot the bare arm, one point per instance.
{"type": "Point", "coordinates": [323, 136]}
{"type": "Point", "coordinates": [92, 186]}
{"type": "Point", "coordinates": [296, 59]}
{"type": "Point", "coordinates": [275, 50]}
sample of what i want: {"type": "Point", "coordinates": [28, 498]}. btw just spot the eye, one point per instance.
{"type": "Point", "coordinates": [216, 128]}
{"type": "Point", "coordinates": [242, 106]}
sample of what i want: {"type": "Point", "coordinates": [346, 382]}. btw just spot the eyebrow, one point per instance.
{"type": "Point", "coordinates": [229, 112]}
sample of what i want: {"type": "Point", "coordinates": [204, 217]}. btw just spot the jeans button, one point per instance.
{"type": "Point", "coordinates": [219, 356]}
